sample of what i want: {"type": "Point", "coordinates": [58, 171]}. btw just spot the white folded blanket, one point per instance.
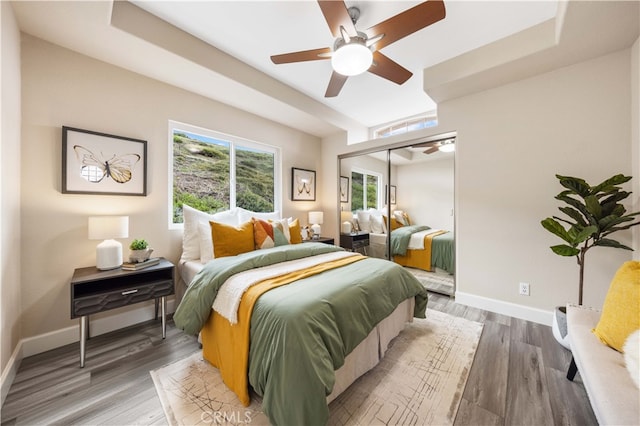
{"type": "Point", "coordinates": [416, 242]}
{"type": "Point", "coordinates": [227, 300]}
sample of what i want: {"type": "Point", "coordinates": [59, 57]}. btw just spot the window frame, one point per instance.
{"type": "Point", "coordinates": [379, 192]}
{"type": "Point", "coordinates": [234, 141]}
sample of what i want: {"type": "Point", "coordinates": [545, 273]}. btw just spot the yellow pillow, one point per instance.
{"type": "Point", "coordinates": [294, 232]}
{"type": "Point", "coordinates": [394, 223]}
{"type": "Point", "coordinates": [621, 310]}
{"type": "Point", "coordinates": [229, 240]}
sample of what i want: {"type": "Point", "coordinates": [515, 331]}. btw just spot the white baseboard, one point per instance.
{"type": "Point", "coordinates": [55, 339]}
{"type": "Point", "coordinates": [9, 373]}
{"type": "Point", "coordinates": [536, 315]}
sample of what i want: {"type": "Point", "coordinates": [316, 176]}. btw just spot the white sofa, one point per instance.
{"type": "Point", "coordinates": [614, 397]}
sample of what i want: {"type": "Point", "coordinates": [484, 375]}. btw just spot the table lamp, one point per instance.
{"type": "Point", "coordinates": [109, 251]}
{"type": "Point", "coordinates": [315, 219]}
{"type": "Point", "coordinates": [346, 220]}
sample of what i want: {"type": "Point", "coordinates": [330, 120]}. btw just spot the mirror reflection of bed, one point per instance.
{"type": "Point", "coordinates": [423, 186]}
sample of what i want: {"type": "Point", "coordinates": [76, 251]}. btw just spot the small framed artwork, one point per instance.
{"type": "Point", "coordinates": [303, 185]}
{"type": "Point", "coordinates": [99, 163]}
{"type": "Point", "coordinates": [344, 189]}
{"type": "Point", "coordinates": [392, 194]}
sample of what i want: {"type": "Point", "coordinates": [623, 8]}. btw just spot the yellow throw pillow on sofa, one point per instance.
{"type": "Point", "coordinates": [229, 240]}
{"type": "Point", "coordinates": [621, 310]}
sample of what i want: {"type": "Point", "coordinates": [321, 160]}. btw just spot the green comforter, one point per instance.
{"type": "Point", "coordinates": [302, 332]}
{"type": "Point", "coordinates": [400, 238]}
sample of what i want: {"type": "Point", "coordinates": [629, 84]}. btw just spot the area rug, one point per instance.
{"type": "Point", "coordinates": [419, 381]}
{"type": "Point", "coordinates": [438, 282]}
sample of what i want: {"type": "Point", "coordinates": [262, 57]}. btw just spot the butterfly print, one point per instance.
{"type": "Point", "coordinates": [95, 167]}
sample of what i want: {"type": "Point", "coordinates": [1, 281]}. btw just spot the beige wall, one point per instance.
{"type": "Point", "coordinates": [635, 139]}
{"type": "Point", "coordinates": [61, 87]}
{"type": "Point", "coordinates": [425, 192]}
{"type": "Point", "coordinates": [511, 142]}
{"type": "Point", "coordinates": [9, 189]}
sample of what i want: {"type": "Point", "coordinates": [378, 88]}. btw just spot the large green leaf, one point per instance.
{"type": "Point", "coordinates": [555, 228]}
{"type": "Point", "coordinates": [565, 250]}
{"type": "Point", "coordinates": [594, 207]}
{"type": "Point", "coordinates": [580, 235]}
{"type": "Point", "coordinates": [612, 181]}
{"type": "Point", "coordinates": [606, 242]}
{"type": "Point", "coordinates": [579, 186]}
{"type": "Point", "coordinates": [574, 214]}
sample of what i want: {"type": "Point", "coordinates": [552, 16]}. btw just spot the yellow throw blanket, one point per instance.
{"type": "Point", "coordinates": [420, 259]}
{"type": "Point", "coordinates": [226, 346]}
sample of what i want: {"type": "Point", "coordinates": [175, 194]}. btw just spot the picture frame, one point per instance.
{"type": "Point", "coordinates": [103, 164]}
{"type": "Point", "coordinates": [344, 189]}
{"type": "Point", "coordinates": [303, 184]}
{"type": "Point", "coordinates": [392, 194]}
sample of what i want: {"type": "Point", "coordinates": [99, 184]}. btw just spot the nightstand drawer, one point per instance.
{"type": "Point", "coordinates": [117, 298]}
{"type": "Point", "coordinates": [358, 244]}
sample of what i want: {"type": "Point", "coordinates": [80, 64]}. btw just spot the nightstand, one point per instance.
{"type": "Point", "coordinates": [93, 291]}
{"type": "Point", "coordinates": [355, 241]}
{"type": "Point", "coordinates": [326, 240]}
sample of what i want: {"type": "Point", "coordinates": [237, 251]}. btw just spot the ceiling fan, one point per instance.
{"type": "Point", "coordinates": [444, 145]}
{"type": "Point", "coordinates": [355, 52]}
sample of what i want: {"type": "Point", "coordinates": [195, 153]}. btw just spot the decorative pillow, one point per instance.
{"type": "Point", "coordinates": [631, 355]}
{"type": "Point", "coordinates": [376, 224]}
{"type": "Point", "coordinates": [395, 223]}
{"type": "Point", "coordinates": [402, 217]}
{"type": "Point", "coordinates": [229, 240]}
{"type": "Point", "coordinates": [294, 232]}
{"type": "Point", "coordinates": [269, 234]}
{"type": "Point", "coordinates": [621, 310]}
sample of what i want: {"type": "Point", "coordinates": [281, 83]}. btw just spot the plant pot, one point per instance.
{"type": "Point", "coordinates": [137, 256]}
{"type": "Point", "coordinates": [559, 326]}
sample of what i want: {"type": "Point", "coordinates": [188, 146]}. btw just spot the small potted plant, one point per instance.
{"type": "Point", "coordinates": [140, 251]}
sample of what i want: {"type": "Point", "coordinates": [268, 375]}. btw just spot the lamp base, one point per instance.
{"type": "Point", "coordinates": [316, 230]}
{"type": "Point", "coordinates": [108, 255]}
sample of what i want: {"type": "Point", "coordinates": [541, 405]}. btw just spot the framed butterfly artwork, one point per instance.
{"type": "Point", "coordinates": [99, 163]}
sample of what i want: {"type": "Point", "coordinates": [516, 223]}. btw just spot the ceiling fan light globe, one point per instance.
{"type": "Point", "coordinates": [351, 59]}
{"type": "Point", "coordinates": [448, 147]}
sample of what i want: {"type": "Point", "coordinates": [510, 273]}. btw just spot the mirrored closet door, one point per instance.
{"type": "Point", "coordinates": [411, 183]}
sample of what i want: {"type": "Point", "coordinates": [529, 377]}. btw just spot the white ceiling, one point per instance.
{"type": "Point", "coordinates": [252, 31]}
{"type": "Point", "coordinates": [221, 49]}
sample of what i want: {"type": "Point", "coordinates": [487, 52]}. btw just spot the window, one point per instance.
{"type": "Point", "coordinates": [365, 190]}
{"type": "Point", "coordinates": [407, 125]}
{"type": "Point", "coordinates": [212, 172]}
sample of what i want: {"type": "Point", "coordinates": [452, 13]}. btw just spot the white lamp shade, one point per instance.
{"type": "Point", "coordinates": [108, 227]}
{"type": "Point", "coordinates": [108, 252]}
{"type": "Point", "coordinates": [316, 218]}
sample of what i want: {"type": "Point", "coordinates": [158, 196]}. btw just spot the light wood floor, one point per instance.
{"type": "Point", "coordinates": [517, 378]}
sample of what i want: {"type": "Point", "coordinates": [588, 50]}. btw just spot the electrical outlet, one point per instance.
{"type": "Point", "coordinates": [524, 289]}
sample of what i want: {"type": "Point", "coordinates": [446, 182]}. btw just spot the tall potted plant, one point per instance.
{"type": "Point", "coordinates": [594, 213]}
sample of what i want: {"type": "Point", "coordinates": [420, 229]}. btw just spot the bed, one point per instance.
{"type": "Point", "coordinates": [422, 247]}
{"type": "Point", "coordinates": [306, 339]}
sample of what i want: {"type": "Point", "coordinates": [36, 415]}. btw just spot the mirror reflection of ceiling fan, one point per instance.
{"type": "Point", "coordinates": [445, 145]}
{"type": "Point", "coordinates": [355, 52]}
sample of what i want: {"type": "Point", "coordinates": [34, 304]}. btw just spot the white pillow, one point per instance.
{"type": "Point", "coordinates": [631, 350]}
{"type": "Point", "coordinates": [191, 244]}
{"type": "Point", "coordinates": [376, 222]}
{"type": "Point", "coordinates": [206, 242]}
{"type": "Point", "coordinates": [363, 220]}
{"type": "Point", "coordinates": [246, 215]}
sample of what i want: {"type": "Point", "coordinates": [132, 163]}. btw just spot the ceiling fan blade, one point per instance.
{"type": "Point", "coordinates": [301, 56]}
{"type": "Point", "coordinates": [336, 15]}
{"type": "Point", "coordinates": [335, 85]}
{"type": "Point", "coordinates": [407, 22]}
{"type": "Point", "coordinates": [432, 150]}
{"type": "Point", "coordinates": [389, 69]}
